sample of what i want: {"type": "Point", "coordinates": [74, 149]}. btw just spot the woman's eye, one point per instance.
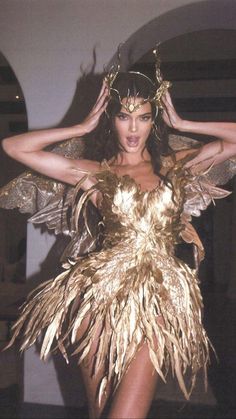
{"type": "Point", "coordinates": [145, 118]}
{"type": "Point", "coordinates": [122, 117]}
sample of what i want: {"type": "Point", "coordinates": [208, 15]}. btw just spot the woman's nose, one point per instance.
{"type": "Point", "coordinates": [133, 125]}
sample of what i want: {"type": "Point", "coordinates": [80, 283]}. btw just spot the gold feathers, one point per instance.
{"type": "Point", "coordinates": [134, 289]}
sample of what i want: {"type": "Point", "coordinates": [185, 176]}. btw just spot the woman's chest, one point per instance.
{"type": "Point", "coordinates": [128, 203]}
{"type": "Point", "coordinates": [143, 176]}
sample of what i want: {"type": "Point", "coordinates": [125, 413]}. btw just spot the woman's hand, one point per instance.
{"type": "Point", "coordinates": [213, 152]}
{"type": "Point", "coordinates": [169, 114]}
{"type": "Point", "coordinates": [29, 148]}
{"type": "Point", "coordinates": [91, 121]}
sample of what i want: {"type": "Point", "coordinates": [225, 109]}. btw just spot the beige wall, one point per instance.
{"type": "Point", "coordinates": [47, 41]}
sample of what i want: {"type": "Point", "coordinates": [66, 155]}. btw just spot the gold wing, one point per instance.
{"type": "Point", "coordinates": [51, 201]}
{"type": "Point", "coordinates": [200, 190]}
{"type": "Point", "coordinates": [31, 192]}
{"type": "Point", "coordinates": [219, 174]}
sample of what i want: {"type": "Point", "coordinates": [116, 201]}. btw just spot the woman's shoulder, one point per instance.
{"type": "Point", "coordinates": [89, 166]}
{"type": "Point", "coordinates": [170, 160]}
{"type": "Point", "coordinates": [181, 148]}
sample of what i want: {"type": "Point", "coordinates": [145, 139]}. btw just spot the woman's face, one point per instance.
{"type": "Point", "coordinates": [133, 129]}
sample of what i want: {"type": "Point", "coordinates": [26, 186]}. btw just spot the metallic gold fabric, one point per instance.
{"type": "Point", "coordinates": [219, 174]}
{"type": "Point", "coordinates": [51, 201]}
{"type": "Point", "coordinates": [134, 289]}
{"type": "Point", "coordinates": [31, 192]}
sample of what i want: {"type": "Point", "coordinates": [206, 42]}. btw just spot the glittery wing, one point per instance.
{"type": "Point", "coordinates": [200, 189]}
{"type": "Point", "coordinates": [31, 192]}
{"type": "Point", "coordinates": [200, 192]}
{"type": "Point", "coordinates": [217, 175]}
{"type": "Point", "coordinates": [51, 201]}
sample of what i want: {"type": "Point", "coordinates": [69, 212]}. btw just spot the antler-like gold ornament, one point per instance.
{"type": "Point", "coordinates": [130, 104]}
{"type": "Point", "coordinates": [164, 85]}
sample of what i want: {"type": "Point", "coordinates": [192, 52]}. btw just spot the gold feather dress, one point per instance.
{"type": "Point", "coordinates": [134, 289]}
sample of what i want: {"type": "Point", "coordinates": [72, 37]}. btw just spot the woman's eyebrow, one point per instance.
{"type": "Point", "coordinates": [128, 113]}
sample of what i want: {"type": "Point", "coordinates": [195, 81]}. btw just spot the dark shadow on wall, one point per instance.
{"type": "Point", "coordinates": [87, 90]}
{"type": "Point", "coordinates": [69, 377]}
{"type": "Point", "coordinates": [13, 120]}
{"type": "Point", "coordinates": [86, 94]}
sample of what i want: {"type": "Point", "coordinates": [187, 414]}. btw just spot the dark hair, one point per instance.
{"type": "Point", "coordinates": [103, 142]}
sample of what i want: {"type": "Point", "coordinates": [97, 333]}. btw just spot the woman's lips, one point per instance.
{"type": "Point", "coordinates": [132, 141]}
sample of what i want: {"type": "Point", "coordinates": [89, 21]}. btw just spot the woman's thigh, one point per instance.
{"type": "Point", "coordinates": [91, 380]}
{"type": "Point", "coordinates": [135, 393]}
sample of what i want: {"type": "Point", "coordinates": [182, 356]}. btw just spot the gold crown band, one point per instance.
{"type": "Point", "coordinates": [161, 85]}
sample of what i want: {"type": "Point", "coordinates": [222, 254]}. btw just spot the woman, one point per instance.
{"type": "Point", "coordinates": [134, 308]}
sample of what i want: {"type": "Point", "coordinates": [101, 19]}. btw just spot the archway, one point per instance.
{"type": "Point", "coordinates": [199, 16]}
{"type": "Point", "coordinates": [169, 26]}
{"type": "Point", "coordinates": [200, 41]}
{"type": "Point", "coordinates": [13, 120]}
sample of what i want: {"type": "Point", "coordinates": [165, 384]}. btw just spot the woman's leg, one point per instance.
{"type": "Point", "coordinates": [135, 393]}
{"type": "Point", "coordinates": [91, 382]}
{"type": "Point", "coordinates": [136, 390]}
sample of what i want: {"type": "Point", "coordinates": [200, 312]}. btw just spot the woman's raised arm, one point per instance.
{"type": "Point", "coordinates": [28, 148]}
{"type": "Point", "coordinates": [214, 152]}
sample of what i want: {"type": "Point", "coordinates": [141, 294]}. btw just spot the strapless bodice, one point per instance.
{"type": "Point", "coordinates": [145, 218]}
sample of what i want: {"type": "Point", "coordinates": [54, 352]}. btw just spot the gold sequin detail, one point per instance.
{"type": "Point", "coordinates": [134, 280]}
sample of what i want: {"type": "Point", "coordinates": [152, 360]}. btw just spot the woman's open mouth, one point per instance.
{"type": "Point", "coordinates": [132, 141]}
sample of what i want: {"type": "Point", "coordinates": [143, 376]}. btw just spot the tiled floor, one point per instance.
{"type": "Point", "coordinates": [220, 319]}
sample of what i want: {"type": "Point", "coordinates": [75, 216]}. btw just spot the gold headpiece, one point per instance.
{"type": "Point", "coordinates": [160, 85]}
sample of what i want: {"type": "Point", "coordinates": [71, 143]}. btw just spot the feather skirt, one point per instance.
{"type": "Point", "coordinates": [156, 301]}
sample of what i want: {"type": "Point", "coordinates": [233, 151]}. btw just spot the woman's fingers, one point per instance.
{"type": "Point", "coordinates": [102, 91]}
{"type": "Point", "coordinates": [167, 119]}
{"type": "Point", "coordinates": [93, 117]}
{"type": "Point", "coordinates": [102, 99]}
{"type": "Point", "coordinates": [99, 110]}
{"type": "Point", "coordinates": [169, 114]}
{"type": "Point", "coordinates": [100, 106]}
{"type": "Point", "coordinates": [167, 101]}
